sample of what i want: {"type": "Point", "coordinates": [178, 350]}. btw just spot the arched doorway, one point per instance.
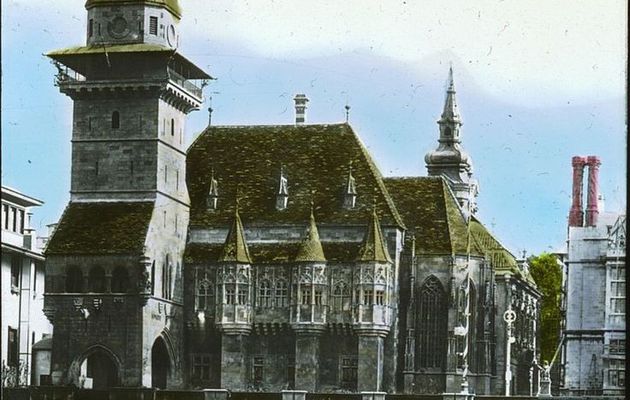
{"type": "Point", "coordinates": [100, 369]}
{"type": "Point", "coordinates": [160, 364]}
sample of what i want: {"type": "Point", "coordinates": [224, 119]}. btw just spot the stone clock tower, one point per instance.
{"type": "Point", "coordinates": [114, 263]}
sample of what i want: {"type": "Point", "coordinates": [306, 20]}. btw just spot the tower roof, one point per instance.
{"type": "Point", "coordinates": [373, 247]}
{"type": "Point", "coordinates": [450, 112]}
{"type": "Point", "coordinates": [171, 5]}
{"type": "Point", "coordinates": [235, 247]}
{"type": "Point", "coordinates": [310, 249]}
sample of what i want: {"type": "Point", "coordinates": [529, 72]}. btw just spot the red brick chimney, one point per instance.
{"type": "Point", "coordinates": [592, 212]}
{"type": "Point", "coordinates": [576, 215]}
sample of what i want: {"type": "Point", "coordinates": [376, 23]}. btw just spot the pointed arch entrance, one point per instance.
{"type": "Point", "coordinates": [99, 369]}
{"type": "Point", "coordinates": [160, 364]}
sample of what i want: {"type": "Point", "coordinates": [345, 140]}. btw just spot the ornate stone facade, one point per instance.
{"type": "Point", "coordinates": [263, 257]}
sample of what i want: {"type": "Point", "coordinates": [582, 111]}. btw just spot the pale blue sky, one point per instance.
{"type": "Point", "coordinates": [537, 82]}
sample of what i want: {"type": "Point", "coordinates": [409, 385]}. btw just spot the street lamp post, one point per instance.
{"type": "Point", "coordinates": [509, 316]}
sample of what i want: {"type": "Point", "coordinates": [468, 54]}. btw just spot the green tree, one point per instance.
{"type": "Point", "coordinates": [547, 273]}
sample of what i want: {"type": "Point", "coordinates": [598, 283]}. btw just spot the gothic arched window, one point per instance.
{"type": "Point", "coordinates": [96, 280]}
{"type": "Point", "coordinates": [166, 278]}
{"type": "Point", "coordinates": [120, 280]}
{"type": "Point", "coordinates": [264, 293]}
{"type": "Point", "coordinates": [281, 293]}
{"type": "Point", "coordinates": [341, 296]}
{"type": "Point", "coordinates": [74, 280]}
{"type": "Point", "coordinates": [205, 295]}
{"type": "Point", "coordinates": [115, 120]}
{"type": "Point", "coordinates": [431, 325]}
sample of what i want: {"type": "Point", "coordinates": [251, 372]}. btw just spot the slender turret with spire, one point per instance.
{"type": "Point", "coordinates": [449, 159]}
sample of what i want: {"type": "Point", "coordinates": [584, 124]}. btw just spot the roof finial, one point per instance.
{"type": "Point", "coordinates": [451, 81]}
{"type": "Point", "coordinates": [347, 107]}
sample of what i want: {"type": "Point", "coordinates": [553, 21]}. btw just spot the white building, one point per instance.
{"type": "Point", "coordinates": [23, 321]}
{"type": "Point", "coordinates": [593, 352]}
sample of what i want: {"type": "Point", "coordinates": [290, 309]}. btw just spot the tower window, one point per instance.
{"type": "Point", "coordinates": [172, 127]}
{"type": "Point", "coordinates": [153, 25]}
{"type": "Point", "coordinates": [447, 131]}
{"type": "Point", "coordinates": [91, 28]}
{"type": "Point", "coordinates": [115, 120]}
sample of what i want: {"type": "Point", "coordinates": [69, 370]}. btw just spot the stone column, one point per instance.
{"type": "Point", "coordinates": [370, 368]}
{"type": "Point", "coordinates": [233, 362]}
{"type": "Point", "coordinates": [307, 360]}
{"type": "Point", "coordinates": [576, 215]}
{"type": "Point", "coordinates": [592, 211]}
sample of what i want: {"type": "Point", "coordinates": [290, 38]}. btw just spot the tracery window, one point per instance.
{"type": "Point", "coordinates": [341, 296]}
{"type": "Point", "coordinates": [380, 297]}
{"type": "Point", "coordinates": [318, 297]}
{"type": "Point", "coordinates": [306, 296]}
{"type": "Point", "coordinates": [205, 295]}
{"type": "Point", "coordinates": [281, 293]}
{"type": "Point", "coordinates": [264, 294]}
{"type": "Point", "coordinates": [431, 325]}
{"type": "Point", "coordinates": [96, 280]}
{"type": "Point", "coordinates": [367, 297]}
{"type": "Point", "coordinates": [242, 295]}
{"type": "Point", "coordinates": [230, 295]}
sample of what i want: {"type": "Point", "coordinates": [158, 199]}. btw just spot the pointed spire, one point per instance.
{"type": "Point", "coordinates": [310, 249]}
{"type": "Point", "coordinates": [235, 247]}
{"type": "Point", "coordinates": [373, 247]}
{"type": "Point", "coordinates": [450, 112]}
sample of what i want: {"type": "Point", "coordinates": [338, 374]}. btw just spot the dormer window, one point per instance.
{"type": "Point", "coordinates": [282, 196]}
{"type": "Point", "coordinates": [115, 120]}
{"type": "Point", "coordinates": [213, 194]}
{"type": "Point", "coordinates": [350, 192]}
{"type": "Point", "coordinates": [153, 26]}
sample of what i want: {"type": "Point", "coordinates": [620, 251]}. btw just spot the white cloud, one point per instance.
{"type": "Point", "coordinates": [530, 50]}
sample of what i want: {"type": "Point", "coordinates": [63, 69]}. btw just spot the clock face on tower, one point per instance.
{"type": "Point", "coordinates": [171, 36]}
{"type": "Point", "coordinates": [118, 27]}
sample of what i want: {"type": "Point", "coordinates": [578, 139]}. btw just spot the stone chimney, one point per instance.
{"type": "Point", "coordinates": [592, 211]}
{"type": "Point", "coordinates": [576, 215]}
{"type": "Point", "coordinates": [300, 108]}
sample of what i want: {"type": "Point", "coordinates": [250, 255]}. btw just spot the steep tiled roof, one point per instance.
{"type": "Point", "coordinates": [373, 247]}
{"type": "Point", "coordinates": [310, 249]}
{"type": "Point", "coordinates": [101, 228]}
{"type": "Point", "coordinates": [235, 247]}
{"type": "Point", "coordinates": [502, 260]}
{"type": "Point", "coordinates": [430, 213]}
{"type": "Point", "coordinates": [204, 253]}
{"type": "Point", "coordinates": [315, 158]}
